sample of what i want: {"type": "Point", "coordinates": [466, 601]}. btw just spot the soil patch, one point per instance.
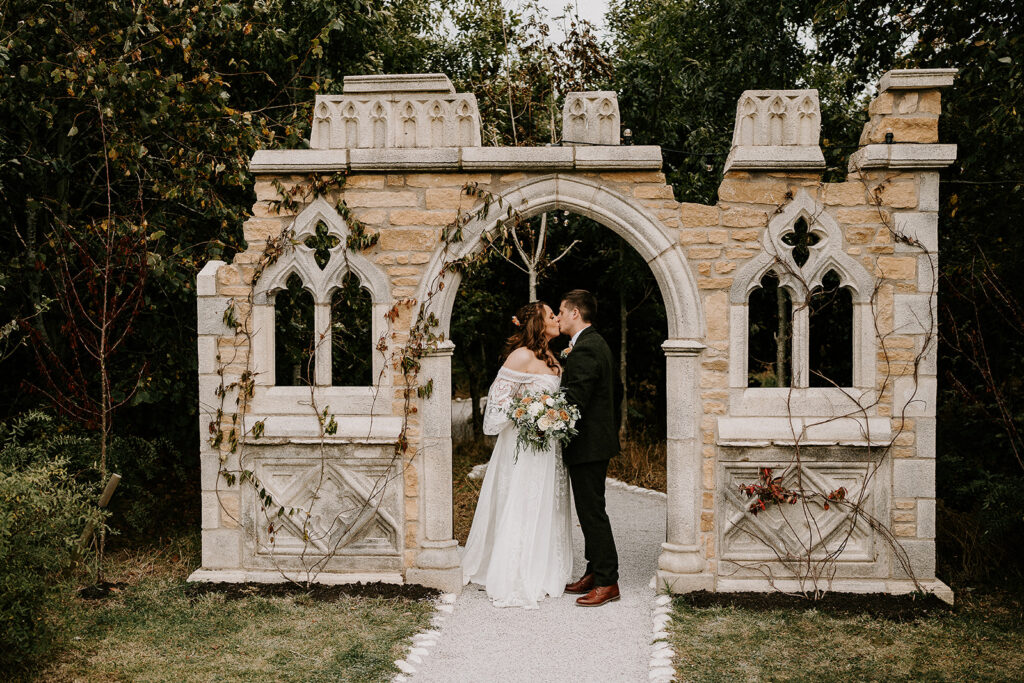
{"type": "Point", "coordinates": [319, 593]}
{"type": "Point", "coordinates": [898, 608]}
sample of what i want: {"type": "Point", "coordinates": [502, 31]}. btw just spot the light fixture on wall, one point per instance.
{"type": "Point", "coordinates": [627, 137]}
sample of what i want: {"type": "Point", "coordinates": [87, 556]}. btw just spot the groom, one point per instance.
{"type": "Point", "coordinates": [588, 383]}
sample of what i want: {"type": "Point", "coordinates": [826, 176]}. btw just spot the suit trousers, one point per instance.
{"type": "Point", "coordinates": [588, 485]}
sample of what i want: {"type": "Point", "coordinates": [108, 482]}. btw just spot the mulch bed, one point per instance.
{"type": "Point", "coordinates": [319, 593]}
{"type": "Point", "coordinates": [899, 608]}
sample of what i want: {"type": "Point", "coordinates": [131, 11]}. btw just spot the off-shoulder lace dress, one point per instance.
{"type": "Point", "coordinates": [520, 544]}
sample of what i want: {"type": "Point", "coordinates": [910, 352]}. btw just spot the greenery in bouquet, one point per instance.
{"type": "Point", "coordinates": [543, 419]}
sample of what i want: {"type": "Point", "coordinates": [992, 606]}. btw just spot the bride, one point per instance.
{"type": "Point", "coordinates": [520, 544]}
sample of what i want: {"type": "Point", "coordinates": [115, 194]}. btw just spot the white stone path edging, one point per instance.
{"type": "Point", "coordinates": [425, 640]}
{"type": "Point", "coordinates": [469, 640]}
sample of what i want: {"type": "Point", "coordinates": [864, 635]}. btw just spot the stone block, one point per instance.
{"type": "Point", "coordinates": [714, 283]}
{"type": "Point", "coordinates": [634, 177]}
{"type": "Point", "coordinates": [370, 216]}
{"type": "Point", "coordinates": [365, 182]}
{"type": "Point", "coordinates": [881, 104]}
{"type": "Point", "coordinates": [913, 478]}
{"type": "Point", "coordinates": [897, 194]}
{"type": "Point", "coordinates": [407, 240]}
{"type": "Point", "coordinates": [928, 198]}
{"type": "Point", "coordinates": [421, 217]}
{"type": "Point", "coordinates": [737, 253]}
{"type": "Point", "coordinates": [446, 179]}
{"type": "Point", "coordinates": [850, 193]}
{"type": "Point", "coordinates": [222, 548]}
{"type": "Point", "coordinates": [211, 510]}
{"type": "Point", "coordinates": [704, 252]}
{"type": "Point", "coordinates": [767, 191]}
{"type": "Point", "coordinates": [740, 217]}
{"type": "Point", "coordinates": [922, 228]}
{"type": "Point", "coordinates": [929, 102]}
{"type": "Point", "coordinates": [591, 118]}
{"type": "Point", "coordinates": [210, 316]}
{"type": "Point", "coordinates": [447, 198]}
{"type": "Point", "coordinates": [261, 229]}
{"type": "Point", "coordinates": [653, 192]}
{"type": "Point", "coordinates": [385, 199]}
{"type": "Point", "coordinates": [716, 313]}
{"type": "Point", "coordinates": [691, 236]}
{"type": "Point", "coordinates": [921, 554]}
{"type": "Point", "coordinates": [914, 398]}
{"type": "Point", "coordinates": [860, 234]}
{"type": "Point", "coordinates": [924, 434]}
{"type": "Point", "coordinates": [917, 129]}
{"type": "Point", "coordinates": [897, 267]}
{"type": "Point", "coordinates": [926, 518]}
{"type": "Point", "coordinates": [864, 215]}
{"type": "Point", "coordinates": [206, 280]}
{"type": "Point", "coordinates": [230, 512]}
{"type": "Point", "coordinates": [697, 215]}
{"type": "Point", "coordinates": [913, 314]}
{"type": "Point", "coordinates": [916, 79]}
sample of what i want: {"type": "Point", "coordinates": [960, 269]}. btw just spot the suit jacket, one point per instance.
{"type": "Point", "coordinates": [589, 383]}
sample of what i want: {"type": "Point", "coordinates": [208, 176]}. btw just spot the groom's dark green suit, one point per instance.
{"type": "Point", "coordinates": [589, 383]}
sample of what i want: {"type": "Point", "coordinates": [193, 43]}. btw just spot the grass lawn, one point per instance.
{"type": "Point", "coordinates": [981, 639]}
{"type": "Point", "coordinates": [155, 628]}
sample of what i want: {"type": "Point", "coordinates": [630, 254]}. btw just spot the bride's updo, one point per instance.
{"type": "Point", "coordinates": [529, 332]}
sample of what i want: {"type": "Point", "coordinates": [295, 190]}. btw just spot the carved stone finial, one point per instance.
{"type": "Point", "coordinates": [396, 111]}
{"type": "Point", "coordinates": [590, 118]}
{"type": "Point", "coordinates": [776, 129]}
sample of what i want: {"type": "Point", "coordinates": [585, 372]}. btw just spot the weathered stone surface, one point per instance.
{"type": "Point", "coordinates": [897, 267]}
{"type": "Point", "coordinates": [649, 191]}
{"type": "Point", "coordinates": [420, 217]}
{"type": "Point", "coordinates": [900, 194]}
{"type": "Point", "coordinates": [446, 179]}
{"type": "Point", "coordinates": [904, 129]}
{"type": "Point", "coordinates": [765, 191]}
{"type": "Point", "coordinates": [742, 217]}
{"type": "Point", "coordinates": [407, 239]}
{"type": "Point", "coordinates": [381, 199]}
{"type": "Point", "coordinates": [852, 193]}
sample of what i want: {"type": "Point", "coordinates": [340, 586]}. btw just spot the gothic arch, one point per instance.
{"type": "Point", "coordinates": [586, 197]}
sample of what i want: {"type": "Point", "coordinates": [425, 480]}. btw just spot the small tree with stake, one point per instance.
{"type": "Point", "coordinates": [98, 275]}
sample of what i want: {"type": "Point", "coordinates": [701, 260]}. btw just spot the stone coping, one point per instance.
{"type": "Point", "coordinates": [916, 79]}
{"type": "Point", "coordinates": [809, 431]}
{"type": "Point", "coordinates": [775, 157]}
{"type": "Point", "coordinates": [590, 157]}
{"type": "Point", "coordinates": [904, 155]}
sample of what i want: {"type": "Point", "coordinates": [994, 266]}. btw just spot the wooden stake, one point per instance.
{"type": "Point", "coordinates": [108, 492]}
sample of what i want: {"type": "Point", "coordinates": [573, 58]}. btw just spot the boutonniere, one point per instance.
{"type": "Point", "coordinates": [565, 352]}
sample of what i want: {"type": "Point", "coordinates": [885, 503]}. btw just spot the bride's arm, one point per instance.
{"type": "Point", "coordinates": [499, 398]}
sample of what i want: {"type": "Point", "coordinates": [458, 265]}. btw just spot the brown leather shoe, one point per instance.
{"type": "Point", "coordinates": [599, 595]}
{"type": "Point", "coordinates": [582, 586]}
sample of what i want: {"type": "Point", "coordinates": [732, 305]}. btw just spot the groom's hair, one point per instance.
{"type": "Point", "coordinates": [584, 301]}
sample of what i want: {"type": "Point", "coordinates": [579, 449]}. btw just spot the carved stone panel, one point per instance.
{"type": "Point", "coordinates": [789, 532]}
{"type": "Point", "coordinates": [591, 118]}
{"type": "Point", "coordinates": [400, 111]}
{"type": "Point", "coordinates": [776, 129]}
{"type": "Point", "coordinates": [337, 511]}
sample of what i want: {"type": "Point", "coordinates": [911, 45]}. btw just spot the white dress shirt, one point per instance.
{"type": "Point", "coordinates": [572, 342]}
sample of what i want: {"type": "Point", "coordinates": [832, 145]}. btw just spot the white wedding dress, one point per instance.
{"type": "Point", "coordinates": [520, 544]}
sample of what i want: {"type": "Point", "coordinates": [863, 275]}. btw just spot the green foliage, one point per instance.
{"type": "Point", "coordinates": [43, 509]}
{"type": "Point", "coordinates": [980, 445]}
{"type": "Point", "coordinates": [680, 67]}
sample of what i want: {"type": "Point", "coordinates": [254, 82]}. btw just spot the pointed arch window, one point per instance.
{"type": "Point", "coordinates": [319, 309]}
{"type": "Point", "coordinates": [801, 310]}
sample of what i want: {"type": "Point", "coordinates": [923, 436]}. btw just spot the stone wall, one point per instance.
{"type": "Point", "coordinates": [878, 229]}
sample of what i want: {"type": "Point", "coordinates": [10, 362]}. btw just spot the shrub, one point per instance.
{"type": "Point", "coordinates": [43, 509]}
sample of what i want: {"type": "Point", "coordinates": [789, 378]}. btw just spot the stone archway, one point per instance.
{"type": "Point", "coordinates": [681, 558]}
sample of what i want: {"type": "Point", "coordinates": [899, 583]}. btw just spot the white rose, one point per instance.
{"type": "Point", "coordinates": [550, 402]}
{"type": "Point", "coordinates": [544, 424]}
{"type": "Point", "coordinates": [535, 409]}
{"type": "Point", "coordinates": [559, 425]}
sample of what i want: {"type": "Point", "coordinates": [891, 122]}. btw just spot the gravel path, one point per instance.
{"type": "Point", "coordinates": [560, 641]}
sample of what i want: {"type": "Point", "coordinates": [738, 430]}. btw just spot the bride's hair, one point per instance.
{"type": "Point", "coordinates": [530, 333]}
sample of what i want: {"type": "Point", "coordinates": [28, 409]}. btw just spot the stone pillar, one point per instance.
{"type": "Point", "coordinates": [681, 565]}
{"type": "Point", "coordinates": [437, 564]}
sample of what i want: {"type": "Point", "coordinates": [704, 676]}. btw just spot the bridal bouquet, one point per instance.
{"type": "Point", "coordinates": [543, 419]}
